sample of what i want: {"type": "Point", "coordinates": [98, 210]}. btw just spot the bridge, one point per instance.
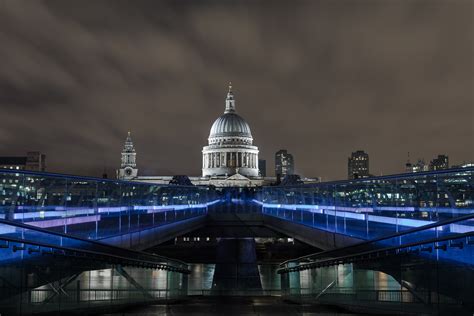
{"type": "Point", "coordinates": [400, 244]}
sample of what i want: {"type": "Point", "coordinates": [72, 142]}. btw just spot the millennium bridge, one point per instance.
{"type": "Point", "coordinates": [400, 244]}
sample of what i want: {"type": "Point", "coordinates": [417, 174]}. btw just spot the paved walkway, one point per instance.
{"type": "Point", "coordinates": [229, 306]}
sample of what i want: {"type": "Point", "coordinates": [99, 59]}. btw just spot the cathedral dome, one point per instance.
{"type": "Point", "coordinates": [230, 125]}
{"type": "Point", "coordinates": [230, 150]}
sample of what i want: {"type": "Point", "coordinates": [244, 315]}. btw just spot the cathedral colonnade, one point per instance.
{"type": "Point", "coordinates": [231, 159]}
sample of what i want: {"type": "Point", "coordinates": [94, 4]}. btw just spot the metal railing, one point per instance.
{"type": "Point", "coordinates": [41, 241]}
{"type": "Point", "coordinates": [96, 208]}
{"type": "Point", "coordinates": [373, 207]}
{"type": "Point", "coordinates": [381, 242]}
{"type": "Point", "coordinates": [418, 248]}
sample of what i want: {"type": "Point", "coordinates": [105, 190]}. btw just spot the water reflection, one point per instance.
{"type": "Point", "coordinates": [113, 284]}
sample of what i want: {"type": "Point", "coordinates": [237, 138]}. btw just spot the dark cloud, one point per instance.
{"type": "Point", "coordinates": [320, 78]}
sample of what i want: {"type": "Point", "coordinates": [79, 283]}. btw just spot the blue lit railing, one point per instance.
{"type": "Point", "coordinates": [96, 208]}
{"type": "Point", "coordinates": [374, 207]}
{"type": "Point", "coordinates": [48, 272]}
{"type": "Point", "coordinates": [21, 235]}
{"type": "Point", "coordinates": [440, 230]}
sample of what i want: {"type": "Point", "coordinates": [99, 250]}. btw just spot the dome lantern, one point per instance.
{"type": "Point", "coordinates": [229, 101]}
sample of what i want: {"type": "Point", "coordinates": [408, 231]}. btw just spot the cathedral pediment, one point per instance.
{"type": "Point", "coordinates": [237, 176]}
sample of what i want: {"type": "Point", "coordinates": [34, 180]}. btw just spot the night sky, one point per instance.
{"type": "Point", "coordinates": [319, 78]}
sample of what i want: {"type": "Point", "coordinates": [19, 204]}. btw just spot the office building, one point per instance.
{"type": "Point", "coordinates": [33, 161]}
{"type": "Point", "coordinates": [439, 163]}
{"type": "Point", "coordinates": [358, 165]}
{"type": "Point", "coordinates": [262, 167]}
{"type": "Point", "coordinates": [284, 164]}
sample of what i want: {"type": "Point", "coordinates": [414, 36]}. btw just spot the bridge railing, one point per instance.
{"type": "Point", "coordinates": [418, 277]}
{"type": "Point", "coordinates": [373, 207]}
{"type": "Point", "coordinates": [444, 229]}
{"type": "Point", "coordinates": [42, 241]}
{"type": "Point", "coordinates": [54, 279]}
{"type": "Point", "coordinates": [96, 208]}
{"type": "Point", "coordinates": [49, 272]}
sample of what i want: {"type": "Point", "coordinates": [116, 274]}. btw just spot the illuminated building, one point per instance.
{"type": "Point", "coordinates": [439, 163]}
{"type": "Point", "coordinates": [358, 165]}
{"type": "Point", "coordinates": [128, 168]}
{"type": "Point", "coordinates": [230, 149]}
{"type": "Point", "coordinates": [284, 163]}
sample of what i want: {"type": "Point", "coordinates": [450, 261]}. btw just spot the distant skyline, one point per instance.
{"type": "Point", "coordinates": [319, 78]}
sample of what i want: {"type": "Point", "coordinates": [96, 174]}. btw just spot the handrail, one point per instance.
{"type": "Point", "coordinates": [93, 242]}
{"type": "Point", "coordinates": [399, 234]}
{"type": "Point", "coordinates": [392, 176]}
{"type": "Point", "coordinates": [89, 178]}
{"type": "Point", "coordinates": [126, 260]}
{"type": "Point", "coordinates": [150, 227]}
{"type": "Point", "coordinates": [387, 177]}
{"type": "Point", "coordinates": [342, 259]}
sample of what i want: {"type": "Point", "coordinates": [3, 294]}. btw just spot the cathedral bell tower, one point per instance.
{"type": "Point", "coordinates": [128, 168]}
